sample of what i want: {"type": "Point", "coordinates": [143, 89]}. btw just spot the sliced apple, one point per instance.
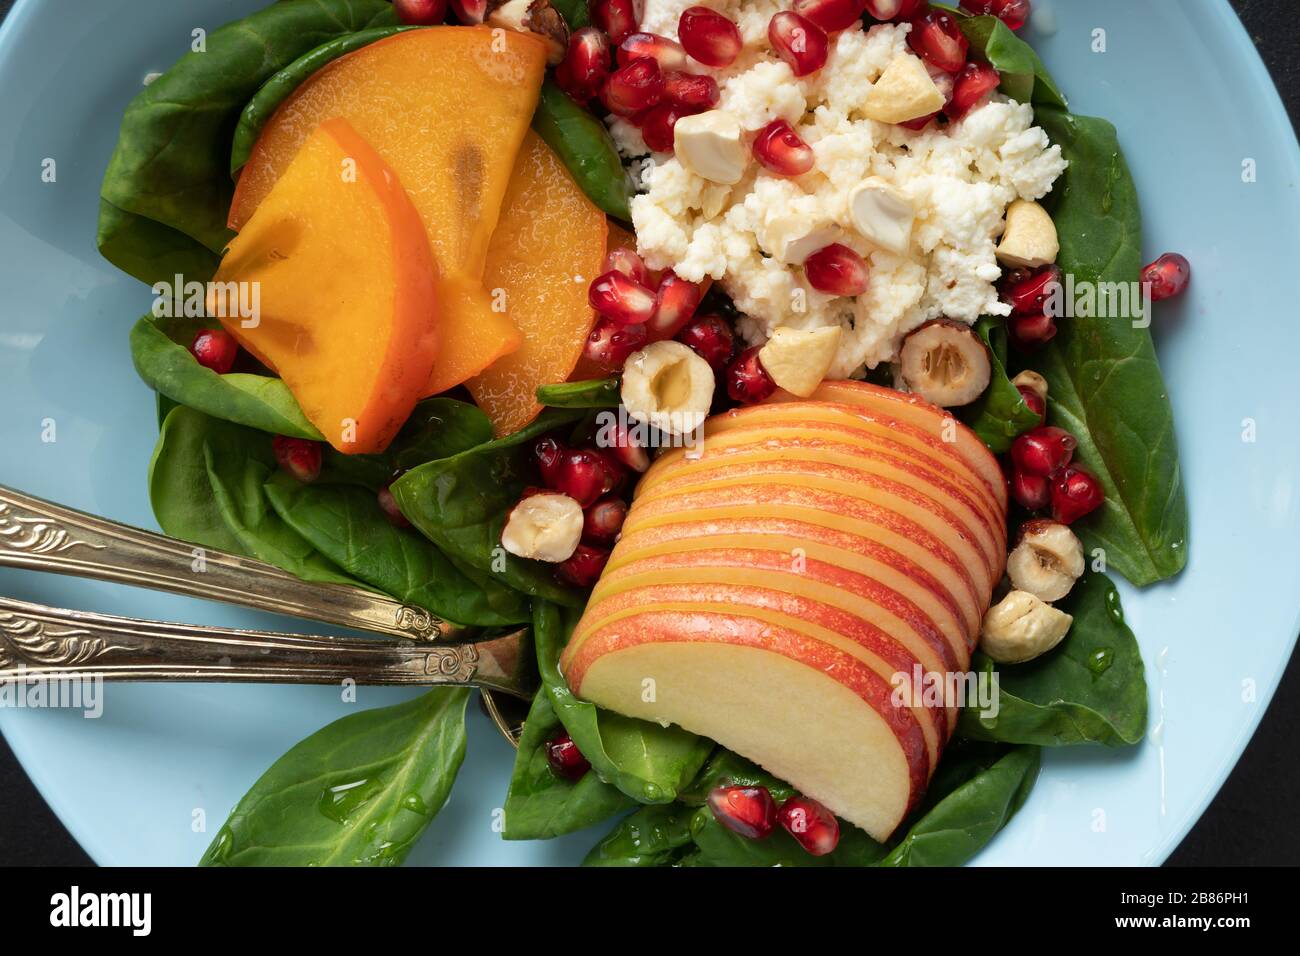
{"type": "Point", "coordinates": [346, 284]}
{"type": "Point", "coordinates": [447, 108]}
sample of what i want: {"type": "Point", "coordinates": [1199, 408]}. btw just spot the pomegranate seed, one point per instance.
{"type": "Point", "coordinates": [711, 339]}
{"type": "Point", "coordinates": [1013, 13]}
{"type": "Point", "coordinates": [747, 380]}
{"type": "Point", "coordinates": [1034, 401]}
{"type": "Point", "coordinates": [657, 126]}
{"type": "Point", "coordinates": [628, 452]}
{"type": "Point", "coordinates": [626, 261]}
{"type": "Point", "coordinates": [894, 9]}
{"type": "Point", "coordinates": [1031, 492]}
{"type": "Point", "coordinates": [583, 568]}
{"type": "Point", "coordinates": [215, 349]}
{"type": "Point", "coordinates": [470, 11]}
{"type": "Point", "coordinates": [749, 811]}
{"type": "Point", "coordinates": [938, 40]}
{"type": "Point", "coordinates": [581, 473]}
{"type": "Point", "coordinates": [836, 270]}
{"type": "Point", "coordinates": [621, 298]}
{"type": "Point", "coordinates": [798, 41]}
{"type": "Point", "coordinates": [388, 504]}
{"type": "Point", "coordinates": [675, 305]}
{"type": "Point", "coordinates": [585, 67]}
{"type": "Point", "coordinates": [420, 13]}
{"type": "Point", "coordinates": [1075, 493]}
{"type": "Point", "coordinates": [617, 472]}
{"type": "Point", "coordinates": [616, 17]}
{"type": "Point", "coordinates": [1029, 332]}
{"type": "Point", "coordinates": [1043, 451]}
{"type": "Point", "coordinates": [920, 123]}
{"type": "Point", "coordinates": [604, 520]}
{"type": "Point", "coordinates": [973, 85]}
{"type": "Point", "coordinates": [565, 758]}
{"type": "Point", "coordinates": [811, 824]}
{"type": "Point", "coordinates": [298, 456]}
{"type": "Point", "coordinates": [610, 343]}
{"type": "Point", "coordinates": [633, 88]}
{"type": "Point", "coordinates": [1168, 276]}
{"type": "Point", "coordinates": [667, 53]}
{"type": "Point", "coordinates": [548, 453]}
{"type": "Point", "coordinates": [709, 37]}
{"type": "Point", "coordinates": [690, 92]}
{"type": "Point", "coordinates": [780, 150]}
{"type": "Point", "coordinates": [831, 15]}
{"type": "Point", "coordinates": [1027, 292]}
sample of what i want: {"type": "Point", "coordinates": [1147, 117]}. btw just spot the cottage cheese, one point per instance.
{"type": "Point", "coordinates": [959, 180]}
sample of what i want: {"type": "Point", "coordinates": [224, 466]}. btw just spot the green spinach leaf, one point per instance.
{"type": "Point", "coordinates": [652, 836]}
{"type": "Point", "coordinates": [1024, 77]}
{"type": "Point", "coordinates": [356, 793]}
{"type": "Point", "coordinates": [575, 13]}
{"type": "Point", "coordinates": [718, 846]}
{"type": "Point", "coordinates": [590, 393]}
{"type": "Point", "coordinates": [1000, 414]}
{"type": "Point", "coordinates": [1090, 689]}
{"type": "Point", "coordinates": [586, 148]}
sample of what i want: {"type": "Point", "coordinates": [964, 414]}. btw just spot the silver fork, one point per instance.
{"type": "Point", "coordinates": [40, 641]}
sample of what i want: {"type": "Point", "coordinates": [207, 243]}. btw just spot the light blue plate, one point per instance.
{"type": "Point", "coordinates": [1179, 78]}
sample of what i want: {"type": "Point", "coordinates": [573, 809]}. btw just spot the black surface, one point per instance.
{"type": "Point", "coordinates": [1248, 824]}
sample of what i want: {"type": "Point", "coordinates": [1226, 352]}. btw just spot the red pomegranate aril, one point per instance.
{"type": "Point", "coordinates": [633, 88]}
{"type": "Point", "coordinates": [1027, 292]}
{"type": "Point", "coordinates": [937, 39]}
{"type": "Point", "coordinates": [1168, 276]}
{"type": "Point", "coordinates": [1029, 332]}
{"type": "Point", "coordinates": [837, 270]}
{"type": "Point", "coordinates": [628, 452]}
{"type": "Point", "coordinates": [920, 123]}
{"type": "Point", "coordinates": [388, 504]}
{"type": "Point", "coordinates": [747, 380]}
{"type": "Point", "coordinates": [585, 67]}
{"type": "Point", "coordinates": [1043, 451]}
{"type": "Point", "coordinates": [657, 126]}
{"type": "Point", "coordinates": [798, 41]}
{"type": "Point", "coordinates": [894, 9]}
{"type": "Point", "coordinates": [620, 298]}
{"type": "Point", "coordinates": [667, 53]}
{"type": "Point", "coordinates": [469, 11]}
{"type": "Point", "coordinates": [710, 337]}
{"type": "Point", "coordinates": [811, 824]}
{"type": "Point", "coordinates": [215, 349]}
{"type": "Point", "coordinates": [298, 456]}
{"type": "Point", "coordinates": [548, 452]}
{"type": "Point", "coordinates": [831, 15]}
{"type": "Point", "coordinates": [604, 520]}
{"type": "Point", "coordinates": [583, 568]}
{"type": "Point", "coordinates": [1075, 493]}
{"type": "Point", "coordinates": [690, 92]}
{"type": "Point", "coordinates": [616, 17]}
{"type": "Point", "coordinates": [709, 37]}
{"type": "Point", "coordinates": [675, 305]}
{"type": "Point", "coordinates": [779, 149]}
{"type": "Point", "coordinates": [1013, 13]}
{"type": "Point", "coordinates": [420, 13]}
{"type": "Point", "coordinates": [749, 811]}
{"type": "Point", "coordinates": [610, 343]}
{"type": "Point", "coordinates": [626, 261]}
{"type": "Point", "coordinates": [582, 474]}
{"type": "Point", "coordinates": [973, 84]}
{"type": "Point", "coordinates": [565, 758]}
{"type": "Point", "coordinates": [1031, 492]}
{"type": "Point", "coordinates": [1033, 401]}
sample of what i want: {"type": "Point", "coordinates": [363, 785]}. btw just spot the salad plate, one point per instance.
{"type": "Point", "coordinates": [153, 779]}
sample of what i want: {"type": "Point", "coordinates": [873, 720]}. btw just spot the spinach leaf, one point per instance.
{"type": "Point", "coordinates": [461, 504]}
{"type": "Point", "coordinates": [167, 191]}
{"type": "Point", "coordinates": [1024, 77]}
{"type": "Point", "coordinates": [540, 804]}
{"type": "Point", "coordinates": [726, 769]}
{"type": "Point", "coordinates": [356, 793]}
{"type": "Point", "coordinates": [160, 350]}
{"type": "Point", "coordinates": [346, 525]}
{"type": "Point", "coordinates": [653, 836]}
{"type": "Point", "coordinates": [277, 89]}
{"type": "Point", "coordinates": [649, 763]}
{"type": "Point", "coordinates": [584, 145]}
{"type": "Point", "coordinates": [975, 791]}
{"type": "Point", "coordinates": [590, 393]}
{"type": "Point", "coordinates": [1105, 383]}
{"type": "Point", "coordinates": [1000, 414]}
{"type": "Point", "coordinates": [1090, 689]}
{"type": "Point", "coordinates": [575, 12]}
{"type": "Point", "coordinates": [718, 846]}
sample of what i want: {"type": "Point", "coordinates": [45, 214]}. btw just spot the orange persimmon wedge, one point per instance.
{"type": "Point", "coordinates": [447, 109]}
{"type": "Point", "coordinates": [548, 245]}
{"type": "Point", "coordinates": [347, 296]}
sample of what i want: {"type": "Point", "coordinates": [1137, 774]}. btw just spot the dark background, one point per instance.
{"type": "Point", "coordinates": [1248, 824]}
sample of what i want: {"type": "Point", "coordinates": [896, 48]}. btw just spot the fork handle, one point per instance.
{"type": "Point", "coordinates": [43, 642]}
{"type": "Point", "coordinates": [42, 536]}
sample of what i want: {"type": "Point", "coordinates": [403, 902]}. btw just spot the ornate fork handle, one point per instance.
{"type": "Point", "coordinates": [43, 536]}
{"type": "Point", "coordinates": [38, 641]}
